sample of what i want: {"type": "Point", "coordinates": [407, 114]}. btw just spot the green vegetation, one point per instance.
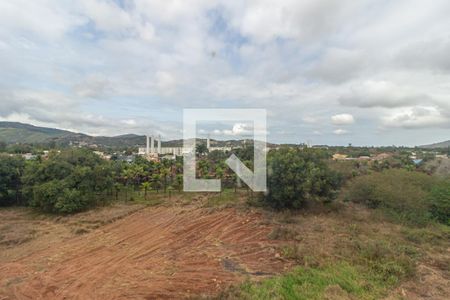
{"type": "Point", "coordinates": [11, 169]}
{"type": "Point", "coordinates": [335, 281]}
{"type": "Point", "coordinates": [12, 132]}
{"type": "Point", "coordinates": [367, 264]}
{"type": "Point", "coordinates": [406, 196]}
{"type": "Point", "coordinates": [201, 149]}
{"type": "Point", "coordinates": [308, 283]}
{"type": "Point", "coordinates": [72, 180]}
{"type": "Point", "coordinates": [295, 176]}
{"type": "Point", "coordinates": [439, 201]}
{"type": "Point", "coordinates": [363, 267]}
{"type": "Point", "coordinates": [67, 182]}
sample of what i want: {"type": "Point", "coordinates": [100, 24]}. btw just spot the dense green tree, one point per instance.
{"type": "Point", "coordinates": [201, 149]}
{"type": "Point", "coordinates": [203, 166]}
{"type": "Point", "coordinates": [117, 188]}
{"type": "Point", "coordinates": [69, 181]}
{"type": "Point", "coordinates": [245, 153]}
{"type": "Point", "coordinates": [126, 177]}
{"type": "Point", "coordinates": [164, 175]}
{"type": "Point", "coordinates": [297, 175]}
{"type": "Point", "coordinates": [57, 196]}
{"type": "Point", "coordinates": [178, 184]}
{"type": "Point", "coordinates": [11, 169]}
{"type": "Point", "coordinates": [46, 194]}
{"type": "Point", "coordinates": [19, 148]}
{"type": "Point", "coordinates": [156, 182]}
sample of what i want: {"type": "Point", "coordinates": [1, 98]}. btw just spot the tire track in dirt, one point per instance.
{"type": "Point", "coordinates": [157, 252]}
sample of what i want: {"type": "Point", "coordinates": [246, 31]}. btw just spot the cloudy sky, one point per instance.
{"type": "Point", "coordinates": [369, 72]}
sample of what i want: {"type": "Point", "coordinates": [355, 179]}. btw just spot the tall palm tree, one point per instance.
{"type": "Point", "coordinates": [178, 182]}
{"type": "Point", "coordinates": [156, 182]}
{"type": "Point", "coordinates": [164, 175]}
{"type": "Point", "coordinates": [127, 177]}
{"type": "Point", "coordinates": [146, 186]}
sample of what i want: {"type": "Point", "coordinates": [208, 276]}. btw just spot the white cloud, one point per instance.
{"type": "Point", "coordinates": [106, 15]}
{"type": "Point", "coordinates": [147, 32]}
{"type": "Point", "coordinates": [93, 86]}
{"type": "Point", "coordinates": [130, 122]}
{"type": "Point", "coordinates": [417, 117]}
{"type": "Point", "coordinates": [342, 119]}
{"type": "Point", "coordinates": [165, 82]}
{"type": "Point", "coordinates": [338, 65]}
{"type": "Point", "coordinates": [310, 119]}
{"type": "Point", "coordinates": [265, 20]}
{"type": "Point", "coordinates": [340, 131]}
{"type": "Point", "coordinates": [381, 94]}
{"type": "Point", "coordinates": [45, 19]}
{"type": "Point", "coordinates": [63, 61]}
{"type": "Point", "coordinates": [241, 129]}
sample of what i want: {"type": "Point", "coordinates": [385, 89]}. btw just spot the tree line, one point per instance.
{"type": "Point", "coordinates": [75, 179]}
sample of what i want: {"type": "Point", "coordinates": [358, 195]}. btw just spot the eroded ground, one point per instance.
{"type": "Point", "coordinates": [156, 252]}
{"type": "Point", "coordinates": [182, 250]}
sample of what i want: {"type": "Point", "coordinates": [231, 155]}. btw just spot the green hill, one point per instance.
{"type": "Point", "coordinates": [13, 132]}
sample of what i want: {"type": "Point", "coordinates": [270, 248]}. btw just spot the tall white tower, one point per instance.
{"type": "Point", "coordinates": [147, 150]}
{"type": "Point", "coordinates": [208, 145]}
{"type": "Point", "coordinates": [159, 144]}
{"type": "Point", "coordinates": [152, 145]}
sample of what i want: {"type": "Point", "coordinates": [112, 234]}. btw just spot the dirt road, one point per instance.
{"type": "Point", "coordinates": [161, 252]}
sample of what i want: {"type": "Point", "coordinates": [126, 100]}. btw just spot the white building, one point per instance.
{"type": "Point", "coordinates": [149, 150]}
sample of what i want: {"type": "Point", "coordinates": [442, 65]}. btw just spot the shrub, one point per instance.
{"type": "Point", "coordinates": [348, 169]}
{"type": "Point", "coordinates": [71, 200]}
{"type": "Point", "coordinates": [11, 168]}
{"type": "Point", "coordinates": [67, 182]}
{"type": "Point", "coordinates": [402, 194]}
{"type": "Point", "coordinates": [296, 175]}
{"type": "Point", "coordinates": [440, 202]}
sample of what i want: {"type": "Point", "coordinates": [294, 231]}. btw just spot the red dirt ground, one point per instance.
{"type": "Point", "coordinates": [160, 252]}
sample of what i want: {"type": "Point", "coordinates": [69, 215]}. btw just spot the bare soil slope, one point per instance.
{"type": "Point", "coordinates": [160, 252]}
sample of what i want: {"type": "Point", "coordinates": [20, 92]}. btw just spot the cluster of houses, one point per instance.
{"type": "Point", "coordinates": [103, 155]}
{"type": "Point", "coordinates": [414, 156]}
{"type": "Point", "coordinates": [31, 156]}
{"type": "Point", "coordinates": [378, 157]}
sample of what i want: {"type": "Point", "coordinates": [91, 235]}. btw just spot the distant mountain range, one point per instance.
{"type": "Point", "coordinates": [436, 145]}
{"type": "Point", "coordinates": [14, 132]}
